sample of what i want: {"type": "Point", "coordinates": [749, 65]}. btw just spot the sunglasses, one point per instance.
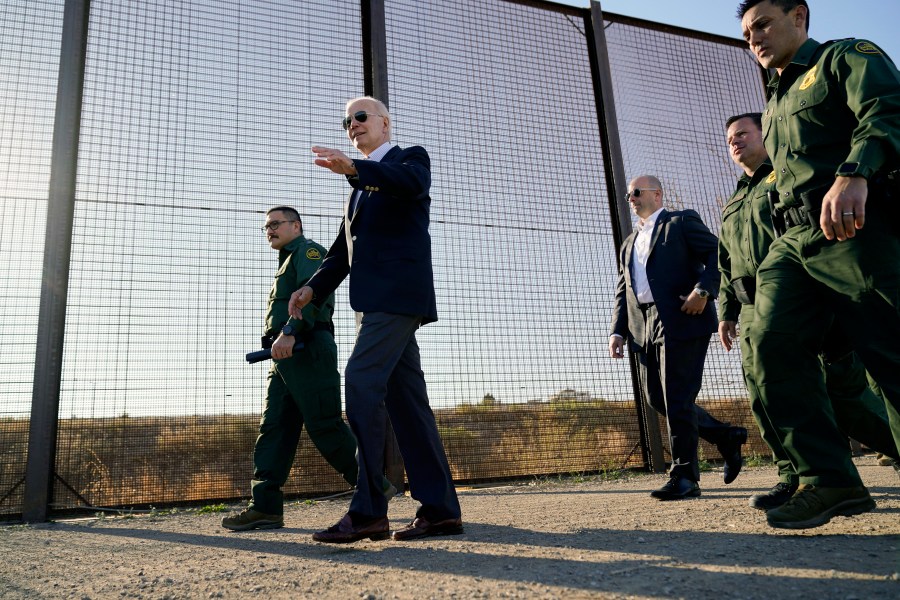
{"type": "Point", "coordinates": [361, 116]}
{"type": "Point", "coordinates": [636, 192]}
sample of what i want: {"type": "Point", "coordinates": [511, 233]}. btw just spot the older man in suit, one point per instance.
{"type": "Point", "coordinates": [667, 280]}
{"type": "Point", "coordinates": [384, 246]}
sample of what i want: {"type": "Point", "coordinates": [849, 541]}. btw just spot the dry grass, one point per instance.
{"type": "Point", "coordinates": [131, 461]}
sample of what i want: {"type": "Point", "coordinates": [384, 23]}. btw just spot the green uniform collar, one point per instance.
{"type": "Point", "coordinates": [747, 181]}
{"type": "Point", "coordinates": [290, 248]}
{"type": "Point", "coordinates": [761, 171]}
{"type": "Point", "coordinates": [806, 54]}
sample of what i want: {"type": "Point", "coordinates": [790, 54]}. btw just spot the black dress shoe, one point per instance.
{"type": "Point", "coordinates": [775, 497]}
{"type": "Point", "coordinates": [345, 531]}
{"type": "Point", "coordinates": [731, 452]}
{"type": "Point", "coordinates": [420, 528]}
{"type": "Point", "coordinates": [677, 488]}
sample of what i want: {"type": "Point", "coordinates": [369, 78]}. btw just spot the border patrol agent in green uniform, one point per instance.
{"type": "Point", "coordinates": [746, 234]}
{"type": "Point", "coordinates": [831, 131]}
{"type": "Point", "coordinates": [303, 387]}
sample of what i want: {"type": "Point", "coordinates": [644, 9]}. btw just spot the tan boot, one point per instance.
{"type": "Point", "coordinates": [813, 506]}
{"type": "Point", "coordinates": [252, 519]}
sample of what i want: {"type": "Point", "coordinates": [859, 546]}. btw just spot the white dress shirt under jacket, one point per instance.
{"type": "Point", "coordinates": [640, 254]}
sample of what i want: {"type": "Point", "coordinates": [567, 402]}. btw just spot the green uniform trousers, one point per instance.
{"type": "Point", "coordinates": [304, 389]}
{"type": "Point", "coordinates": [893, 413]}
{"type": "Point", "coordinates": [804, 281]}
{"type": "Point", "coordinates": [859, 411]}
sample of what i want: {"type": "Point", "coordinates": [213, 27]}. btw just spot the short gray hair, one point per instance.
{"type": "Point", "coordinates": [382, 109]}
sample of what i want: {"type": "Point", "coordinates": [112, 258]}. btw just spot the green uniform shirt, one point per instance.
{"type": "Point", "coordinates": [836, 103]}
{"type": "Point", "coordinates": [297, 261]}
{"type": "Point", "coordinates": [745, 235]}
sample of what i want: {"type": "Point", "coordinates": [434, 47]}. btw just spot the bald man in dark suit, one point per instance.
{"type": "Point", "coordinates": [668, 278]}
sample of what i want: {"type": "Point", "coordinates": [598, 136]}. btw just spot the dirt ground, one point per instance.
{"type": "Point", "coordinates": [559, 539]}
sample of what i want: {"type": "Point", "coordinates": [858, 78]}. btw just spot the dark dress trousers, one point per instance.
{"type": "Point", "coordinates": [671, 345]}
{"type": "Point", "coordinates": [385, 248]}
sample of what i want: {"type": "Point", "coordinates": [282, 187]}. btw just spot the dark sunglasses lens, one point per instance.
{"type": "Point", "coordinates": [360, 116]}
{"type": "Point", "coordinates": [636, 193]}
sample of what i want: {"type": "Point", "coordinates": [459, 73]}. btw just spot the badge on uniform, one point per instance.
{"type": "Point", "coordinates": [771, 177]}
{"type": "Point", "coordinates": [313, 254]}
{"type": "Point", "coordinates": [810, 78]}
{"type": "Point", "coordinates": [867, 48]}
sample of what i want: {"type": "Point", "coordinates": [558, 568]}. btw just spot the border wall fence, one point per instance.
{"type": "Point", "coordinates": [142, 142]}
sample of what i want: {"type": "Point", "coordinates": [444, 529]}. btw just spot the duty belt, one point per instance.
{"type": "Point", "coordinates": [784, 218]}
{"type": "Point", "coordinates": [796, 216]}
{"type": "Point", "coordinates": [884, 186]}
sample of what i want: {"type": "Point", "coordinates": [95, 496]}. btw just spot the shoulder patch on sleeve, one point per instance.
{"type": "Point", "coordinates": [313, 254]}
{"type": "Point", "coordinates": [771, 177]}
{"type": "Point", "coordinates": [866, 48]}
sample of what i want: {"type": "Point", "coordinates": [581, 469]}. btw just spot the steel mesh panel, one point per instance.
{"type": "Point", "coordinates": [29, 67]}
{"type": "Point", "coordinates": [198, 117]}
{"type": "Point", "coordinates": [673, 94]}
{"type": "Point", "coordinates": [501, 96]}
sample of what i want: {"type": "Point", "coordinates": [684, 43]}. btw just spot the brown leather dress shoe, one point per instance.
{"type": "Point", "coordinates": [420, 528]}
{"type": "Point", "coordinates": [345, 532]}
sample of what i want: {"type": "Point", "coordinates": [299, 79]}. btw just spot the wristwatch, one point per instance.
{"type": "Point", "coordinates": [854, 169]}
{"type": "Point", "coordinates": [289, 330]}
{"type": "Point", "coordinates": [701, 292]}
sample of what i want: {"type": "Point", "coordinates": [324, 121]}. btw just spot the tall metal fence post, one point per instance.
{"type": "Point", "coordinates": [616, 188]}
{"type": "Point", "coordinates": [374, 36]}
{"type": "Point", "coordinates": [39, 467]}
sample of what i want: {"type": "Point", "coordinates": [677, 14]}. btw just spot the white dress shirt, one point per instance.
{"type": "Point", "coordinates": [640, 254]}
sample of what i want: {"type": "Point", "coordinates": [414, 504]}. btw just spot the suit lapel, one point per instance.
{"type": "Point", "coordinates": [657, 229]}
{"type": "Point", "coordinates": [347, 216]}
{"type": "Point", "coordinates": [363, 194]}
{"type": "Point", "coordinates": [628, 252]}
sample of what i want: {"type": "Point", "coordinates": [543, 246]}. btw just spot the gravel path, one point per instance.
{"type": "Point", "coordinates": [560, 539]}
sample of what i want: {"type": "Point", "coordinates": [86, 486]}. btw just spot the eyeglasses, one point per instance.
{"type": "Point", "coordinates": [636, 192]}
{"type": "Point", "coordinates": [275, 225]}
{"type": "Point", "coordinates": [360, 116]}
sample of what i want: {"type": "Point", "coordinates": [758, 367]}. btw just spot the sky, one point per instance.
{"type": "Point", "coordinates": [874, 20]}
{"type": "Point", "coordinates": [183, 103]}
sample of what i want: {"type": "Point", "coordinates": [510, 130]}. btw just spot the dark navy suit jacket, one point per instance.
{"type": "Point", "coordinates": [385, 246]}
{"type": "Point", "coordinates": [683, 255]}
